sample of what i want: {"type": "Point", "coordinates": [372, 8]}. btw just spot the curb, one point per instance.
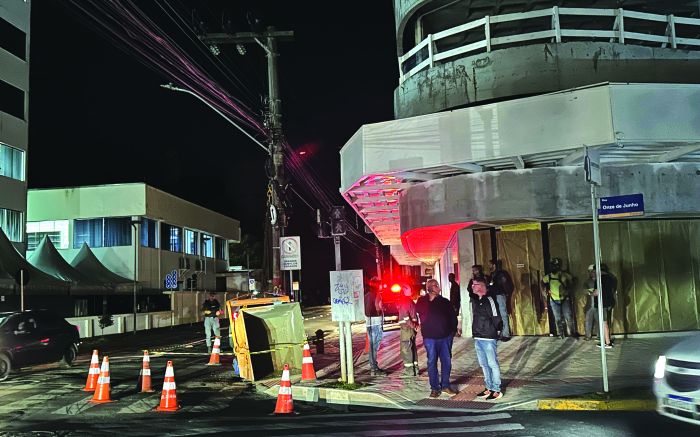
{"type": "Point", "coordinates": [597, 405]}
{"type": "Point", "coordinates": [338, 396]}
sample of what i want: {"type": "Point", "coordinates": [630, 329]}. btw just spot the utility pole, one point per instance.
{"type": "Point", "coordinates": [268, 41]}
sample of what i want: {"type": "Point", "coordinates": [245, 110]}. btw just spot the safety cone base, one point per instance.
{"type": "Point", "coordinates": [168, 409]}
{"type": "Point", "coordinates": [92, 401]}
{"type": "Point", "coordinates": [213, 364]}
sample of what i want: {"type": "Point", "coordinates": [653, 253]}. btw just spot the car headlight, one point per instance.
{"type": "Point", "coordinates": [660, 367]}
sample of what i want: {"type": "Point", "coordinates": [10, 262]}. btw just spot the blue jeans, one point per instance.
{"type": "Point", "coordinates": [375, 337]}
{"type": "Point", "coordinates": [438, 348]}
{"type": "Point", "coordinates": [488, 360]}
{"type": "Point", "coordinates": [562, 310]}
{"type": "Point", "coordinates": [503, 310]}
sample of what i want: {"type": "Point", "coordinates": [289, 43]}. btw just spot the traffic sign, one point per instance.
{"type": "Point", "coordinates": [629, 205]}
{"type": "Point", "coordinates": [290, 253]}
{"type": "Point", "coordinates": [171, 280]}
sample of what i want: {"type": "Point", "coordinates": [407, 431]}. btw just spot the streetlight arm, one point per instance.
{"type": "Point", "coordinates": [171, 87]}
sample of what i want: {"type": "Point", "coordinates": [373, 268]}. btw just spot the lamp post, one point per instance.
{"type": "Point", "coordinates": [135, 221]}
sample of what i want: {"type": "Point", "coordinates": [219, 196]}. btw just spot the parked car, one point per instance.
{"type": "Point", "coordinates": [35, 337]}
{"type": "Point", "coordinates": [677, 381]}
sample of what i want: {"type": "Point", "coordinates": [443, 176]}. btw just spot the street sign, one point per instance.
{"type": "Point", "coordinates": [591, 165]}
{"type": "Point", "coordinates": [629, 205]}
{"type": "Point", "coordinates": [347, 296]}
{"type": "Point", "coordinates": [251, 284]}
{"type": "Point", "coordinates": [290, 253]}
{"type": "Point", "coordinates": [171, 280]}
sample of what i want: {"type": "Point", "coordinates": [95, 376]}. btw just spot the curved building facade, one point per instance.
{"type": "Point", "coordinates": [498, 106]}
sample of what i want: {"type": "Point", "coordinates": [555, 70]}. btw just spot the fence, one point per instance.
{"type": "Point", "coordinates": [416, 59]}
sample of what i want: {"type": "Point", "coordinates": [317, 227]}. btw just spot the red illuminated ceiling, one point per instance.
{"type": "Point", "coordinates": [428, 244]}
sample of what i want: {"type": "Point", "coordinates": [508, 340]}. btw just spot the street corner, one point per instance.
{"type": "Point", "coordinates": [593, 403]}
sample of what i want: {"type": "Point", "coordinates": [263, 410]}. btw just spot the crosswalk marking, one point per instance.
{"type": "Point", "coordinates": [499, 427]}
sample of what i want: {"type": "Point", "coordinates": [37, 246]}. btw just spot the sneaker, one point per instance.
{"type": "Point", "coordinates": [449, 391]}
{"type": "Point", "coordinates": [494, 395]}
{"type": "Point", "coordinates": [377, 372]}
{"type": "Point", "coordinates": [435, 393]}
{"type": "Point", "coordinates": [484, 394]}
{"type": "Point", "coordinates": [607, 345]}
{"type": "Point", "coordinates": [505, 339]}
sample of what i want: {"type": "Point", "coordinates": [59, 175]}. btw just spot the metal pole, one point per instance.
{"type": "Point", "coordinates": [299, 286]}
{"type": "Point", "coordinates": [291, 285]}
{"type": "Point", "coordinates": [341, 345]}
{"type": "Point", "coordinates": [596, 245]}
{"type": "Point", "coordinates": [348, 353]}
{"type": "Point", "coordinates": [341, 325]}
{"type": "Point", "coordinates": [21, 290]}
{"type": "Point", "coordinates": [136, 278]}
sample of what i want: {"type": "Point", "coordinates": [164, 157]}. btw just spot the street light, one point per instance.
{"type": "Point", "coordinates": [135, 220]}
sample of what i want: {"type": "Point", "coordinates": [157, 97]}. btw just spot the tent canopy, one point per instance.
{"type": "Point", "coordinates": [87, 264]}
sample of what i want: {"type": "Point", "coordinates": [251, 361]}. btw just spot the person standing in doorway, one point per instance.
{"type": "Point", "coordinates": [477, 273]}
{"type": "Point", "coordinates": [438, 325]}
{"type": "Point", "coordinates": [374, 318]}
{"type": "Point", "coordinates": [609, 286]}
{"type": "Point", "coordinates": [211, 308]}
{"type": "Point", "coordinates": [486, 329]}
{"type": "Point", "coordinates": [501, 286]}
{"type": "Point", "coordinates": [454, 292]}
{"type": "Point", "coordinates": [557, 284]}
{"type": "Point", "coordinates": [408, 320]}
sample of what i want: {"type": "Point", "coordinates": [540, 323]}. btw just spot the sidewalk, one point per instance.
{"type": "Point", "coordinates": [532, 369]}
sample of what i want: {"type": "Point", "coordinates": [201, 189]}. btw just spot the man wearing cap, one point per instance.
{"type": "Point", "coordinates": [211, 308]}
{"type": "Point", "coordinates": [609, 286]}
{"type": "Point", "coordinates": [557, 284]}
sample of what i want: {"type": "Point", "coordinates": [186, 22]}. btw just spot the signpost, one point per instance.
{"type": "Point", "coordinates": [290, 258]}
{"type": "Point", "coordinates": [347, 306]}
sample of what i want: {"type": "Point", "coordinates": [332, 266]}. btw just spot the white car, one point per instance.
{"type": "Point", "coordinates": [677, 381]}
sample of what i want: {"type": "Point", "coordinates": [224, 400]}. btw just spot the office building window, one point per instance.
{"type": "Point", "coordinates": [207, 245]}
{"type": "Point", "coordinates": [171, 237]}
{"type": "Point", "coordinates": [56, 230]}
{"type": "Point", "coordinates": [11, 100]}
{"type": "Point", "coordinates": [221, 249]}
{"type": "Point", "coordinates": [11, 162]}
{"type": "Point", "coordinates": [191, 242]}
{"type": "Point", "coordinates": [13, 40]}
{"type": "Point", "coordinates": [11, 224]}
{"type": "Point", "coordinates": [149, 231]}
{"type": "Point", "coordinates": [102, 232]}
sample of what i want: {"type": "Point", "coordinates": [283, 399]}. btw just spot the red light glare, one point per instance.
{"type": "Point", "coordinates": [396, 288]}
{"type": "Point", "coordinates": [303, 152]}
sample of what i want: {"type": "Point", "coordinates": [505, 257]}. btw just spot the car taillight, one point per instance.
{"type": "Point", "coordinates": [396, 288]}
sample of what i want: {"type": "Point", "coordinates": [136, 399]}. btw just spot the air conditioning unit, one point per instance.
{"type": "Point", "coordinates": [185, 263]}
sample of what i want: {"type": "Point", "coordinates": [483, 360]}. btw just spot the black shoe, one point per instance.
{"type": "Point", "coordinates": [378, 372]}
{"type": "Point", "coordinates": [494, 395]}
{"type": "Point", "coordinates": [484, 394]}
{"type": "Point", "coordinates": [435, 393]}
{"type": "Point", "coordinates": [505, 339]}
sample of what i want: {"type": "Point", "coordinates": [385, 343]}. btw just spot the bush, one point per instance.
{"type": "Point", "coordinates": [106, 321]}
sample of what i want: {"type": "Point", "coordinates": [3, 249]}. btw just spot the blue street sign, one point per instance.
{"type": "Point", "coordinates": [171, 280]}
{"type": "Point", "coordinates": [621, 206]}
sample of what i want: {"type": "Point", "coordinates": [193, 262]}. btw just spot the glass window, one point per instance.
{"type": "Point", "coordinates": [56, 230]}
{"type": "Point", "coordinates": [11, 224]}
{"type": "Point", "coordinates": [171, 237]}
{"type": "Point", "coordinates": [102, 232]}
{"type": "Point", "coordinates": [191, 242]}
{"type": "Point", "coordinates": [149, 230]}
{"type": "Point", "coordinates": [221, 246]}
{"type": "Point", "coordinates": [11, 162]}
{"type": "Point", "coordinates": [11, 100]}
{"type": "Point", "coordinates": [207, 243]}
{"type": "Point", "coordinates": [13, 40]}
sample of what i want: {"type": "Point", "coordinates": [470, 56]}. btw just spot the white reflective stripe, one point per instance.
{"type": "Point", "coordinates": [94, 371]}
{"type": "Point", "coordinates": [105, 367]}
{"type": "Point", "coordinates": [217, 342]}
{"type": "Point", "coordinates": [169, 386]}
{"type": "Point", "coordinates": [146, 359]}
{"type": "Point", "coordinates": [285, 391]}
{"type": "Point", "coordinates": [169, 372]}
{"type": "Point", "coordinates": [146, 372]}
{"type": "Point", "coordinates": [103, 380]}
{"type": "Point", "coordinates": [493, 306]}
{"type": "Point", "coordinates": [285, 375]}
{"type": "Point", "coordinates": [306, 346]}
{"type": "Point", "coordinates": [307, 360]}
{"type": "Point", "coordinates": [95, 360]}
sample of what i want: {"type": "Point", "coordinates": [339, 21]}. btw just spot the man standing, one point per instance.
{"type": "Point", "coordinates": [477, 273]}
{"type": "Point", "coordinates": [408, 320]}
{"type": "Point", "coordinates": [557, 284]}
{"type": "Point", "coordinates": [501, 285]}
{"type": "Point", "coordinates": [211, 309]}
{"type": "Point", "coordinates": [454, 292]}
{"type": "Point", "coordinates": [486, 327]}
{"type": "Point", "coordinates": [374, 320]}
{"type": "Point", "coordinates": [609, 286]}
{"type": "Point", "coordinates": [438, 323]}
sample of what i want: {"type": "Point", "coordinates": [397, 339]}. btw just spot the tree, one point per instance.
{"type": "Point", "coordinates": [105, 321]}
{"type": "Point", "coordinates": [249, 249]}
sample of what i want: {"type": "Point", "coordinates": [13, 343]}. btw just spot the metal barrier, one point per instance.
{"type": "Point", "coordinates": [416, 59]}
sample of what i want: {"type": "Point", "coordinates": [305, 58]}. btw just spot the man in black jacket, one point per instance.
{"type": "Point", "coordinates": [486, 329]}
{"type": "Point", "coordinates": [501, 286]}
{"type": "Point", "coordinates": [438, 324]}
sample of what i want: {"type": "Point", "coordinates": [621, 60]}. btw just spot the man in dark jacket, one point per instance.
{"type": "Point", "coordinates": [477, 273]}
{"type": "Point", "coordinates": [501, 286]}
{"type": "Point", "coordinates": [408, 321]}
{"type": "Point", "coordinates": [374, 317]}
{"type": "Point", "coordinates": [609, 286]}
{"type": "Point", "coordinates": [486, 329]}
{"type": "Point", "coordinates": [454, 292]}
{"type": "Point", "coordinates": [438, 324]}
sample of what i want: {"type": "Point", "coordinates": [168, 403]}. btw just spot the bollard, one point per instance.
{"type": "Point", "coordinates": [319, 343]}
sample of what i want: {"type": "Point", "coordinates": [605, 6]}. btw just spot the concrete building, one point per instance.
{"type": "Point", "coordinates": [14, 98]}
{"type": "Point", "coordinates": [495, 107]}
{"type": "Point", "coordinates": [136, 226]}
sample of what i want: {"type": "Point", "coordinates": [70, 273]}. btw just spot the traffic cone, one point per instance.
{"type": "Point", "coordinates": [284, 396]}
{"type": "Point", "coordinates": [93, 373]}
{"type": "Point", "coordinates": [146, 374]}
{"type": "Point", "coordinates": [102, 391]}
{"type": "Point", "coordinates": [168, 399]}
{"type": "Point", "coordinates": [215, 351]}
{"type": "Point", "coordinates": [366, 342]}
{"type": "Point", "coordinates": [307, 365]}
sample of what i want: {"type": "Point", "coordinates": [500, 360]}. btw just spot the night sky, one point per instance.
{"type": "Point", "coordinates": [97, 114]}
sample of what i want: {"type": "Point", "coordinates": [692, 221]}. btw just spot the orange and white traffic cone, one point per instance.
{"type": "Point", "coordinates": [146, 374]}
{"type": "Point", "coordinates": [307, 365]}
{"type": "Point", "coordinates": [215, 351]}
{"type": "Point", "coordinates": [93, 373]}
{"type": "Point", "coordinates": [103, 388]}
{"type": "Point", "coordinates": [284, 396]}
{"type": "Point", "coordinates": [168, 399]}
